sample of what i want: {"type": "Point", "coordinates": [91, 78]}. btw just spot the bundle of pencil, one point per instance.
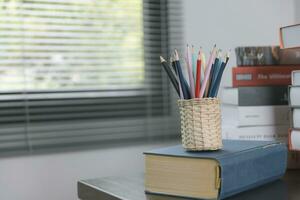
{"type": "Point", "coordinates": [203, 79]}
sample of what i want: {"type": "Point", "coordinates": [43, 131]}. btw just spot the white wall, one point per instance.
{"type": "Point", "coordinates": [233, 23]}
{"type": "Point", "coordinates": [297, 11]}
{"type": "Point", "coordinates": [54, 176]}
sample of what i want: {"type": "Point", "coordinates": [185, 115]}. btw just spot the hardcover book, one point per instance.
{"type": "Point", "coordinates": [255, 96]}
{"type": "Point", "coordinates": [289, 56]}
{"type": "Point", "coordinates": [294, 140]}
{"type": "Point", "coordinates": [290, 36]}
{"type": "Point", "coordinates": [258, 115]}
{"type": "Point", "coordinates": [296, 118]}
{"type": "Point", "coordinates": [267, 55]}
{"type": "Point", "coordinates": [257, 55]}
{"type": "Point", "coordinates": [239, 166]}
{"type": "Point", "coordinates": [262, 75]}
{"type": "Point", "coordinates": [294, 96]}
{"type": "Point", "coordinates": [296, 77]}
{"type": "Point", "coordinates": [259, 133]}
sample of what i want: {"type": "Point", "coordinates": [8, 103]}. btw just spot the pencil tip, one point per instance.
{"type": "Point", "coordinates": [199, 56]}
{"type": "Point", "coordinates": [162, 59]}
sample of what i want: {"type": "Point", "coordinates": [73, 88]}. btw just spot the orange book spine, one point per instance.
{"type": "Point", "coordinates": [262, 76]}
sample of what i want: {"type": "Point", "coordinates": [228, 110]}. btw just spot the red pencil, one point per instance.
{"type": "Point", "coordinates": [198, 76]}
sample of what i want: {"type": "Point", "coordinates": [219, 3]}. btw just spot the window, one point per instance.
{"type": "Point", "coordinates": [71, 45]}
{"type": "Point", "coordinates": [82, 71]}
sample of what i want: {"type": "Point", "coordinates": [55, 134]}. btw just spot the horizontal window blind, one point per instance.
{"type": "Point", "coordinates": [76, 72]}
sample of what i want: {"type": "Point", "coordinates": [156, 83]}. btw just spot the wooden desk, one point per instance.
{"type": "Point", "coordinates": [132, 188]}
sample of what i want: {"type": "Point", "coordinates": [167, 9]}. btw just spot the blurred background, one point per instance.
{"type": "Point", "coordinates": [82, 92]}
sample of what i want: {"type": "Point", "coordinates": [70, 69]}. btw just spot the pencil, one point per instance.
{"type": "Point", "coordinates": [217, 83]}
{"type": "Point", "coordinates": [184, 85]}
{"type": "Point", "coordinates": [170, 74]}
{"type": "Point", "coordinates": [194, 61]}
{"type": "Point", "coordinates": [221, 74]}
{"type": "Point", "coordinates": [190, 73]}
{"type": "Point", "coordinates": [198, 76]}
{"type": "Point", "coordinates": [203, 64]}
{"type": "Point", "coordinates": [177, 77]}
{"type": "Point", "coordinates": [214, 71]}
{"type": "Point", "coordinates": [207, 72]}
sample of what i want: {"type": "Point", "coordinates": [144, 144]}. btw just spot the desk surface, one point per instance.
{"type": "Point", "coordinates": [132, 188]}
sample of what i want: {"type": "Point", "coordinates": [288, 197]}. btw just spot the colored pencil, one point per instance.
{"type": "Point", "coordinates": [170, 74]}
{"type": "Point", "coordinates": [214, 71]}
{"type": "Point", "coordinates": [173, 63]}
{"type": "Point", "coordinates": [203, 64]}
{"type": "Point", "coordinates": [190, 73]}
{"type": "Point", "coordinates": [215, 87]}
{"type": "Point", "coordinates": [194, 61]}
{"type": "Point", "coordinates": [184, 85]}
{"type": "Point", "coordinates": [198, 76]}
{"type": "Point", "coordinates": [207, 72]}
{"type": "Point", "coordinates": [221, 73]}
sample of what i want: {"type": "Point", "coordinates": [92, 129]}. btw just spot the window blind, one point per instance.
{"type": "Point", "coordinates": [76, 72]}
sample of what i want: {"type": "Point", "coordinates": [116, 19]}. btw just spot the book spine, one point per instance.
{"type": "Point", "coordinates": [250, 169]}
{"type": "Point", "coordinates": [294, 96]}
{"type": "Point", "coordinates": [262, 76]}
{"type": "Point", "coordinates": [289, 56]}
{"type": "Point", "coordinates": [261, 133]}
{"type": "Point", "coordinates": [263, 115]}
{"type": "Point", "coordinates": [294, 140]}
{"type": "Point", "coordinates": [295, 115]}
{"type": "Point", "coordinates": [256, 96]}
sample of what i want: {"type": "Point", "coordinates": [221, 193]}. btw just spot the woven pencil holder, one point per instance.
{"type": "Point", "coordinates": [200, 124]}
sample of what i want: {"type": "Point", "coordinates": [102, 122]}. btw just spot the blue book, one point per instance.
{"type": "Point", "coordinates": [239, 166]}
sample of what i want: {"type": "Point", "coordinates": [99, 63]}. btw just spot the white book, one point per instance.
{"type": "Point", "coordinates": [290, 36]}
{"type": "Point", "coordinates": [256, 115]}
{"type": "Point", "coordinates": [296, 78]}
{"type": "Point", "coordinates": [296, 118]}
{"type": "Point", "coordinates": [268, 133]}
{"type": "Point", "coordinates": [295, 96]}
{"type": "Point", "coordinates": [295, 140]}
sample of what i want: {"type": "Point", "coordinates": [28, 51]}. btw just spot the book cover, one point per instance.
{"type": "Point", "coordinates": [241, 165]}
{"type": "Point", "coordinates": [267, 55]}
{"type": "Point", "coordinates": [262, 75]}
{"type": "Point", "coordinates": [257, 55]}
{"type": "Point", "coordinates": [290, 36]}
{"type": "Point", "coordinates": [255, 96]}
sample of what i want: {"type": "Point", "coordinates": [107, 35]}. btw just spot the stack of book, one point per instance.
{"type": "Point", "coordinates": [294, 101]}
{"type": "Point", "coordinates": [256, 106]}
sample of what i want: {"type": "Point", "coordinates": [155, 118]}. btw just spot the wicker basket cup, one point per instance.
{"type": "Point", "coordinates": [200, 124]}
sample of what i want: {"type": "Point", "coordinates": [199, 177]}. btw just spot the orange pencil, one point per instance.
{"type": "Point", "coordinates": [198, 76]}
